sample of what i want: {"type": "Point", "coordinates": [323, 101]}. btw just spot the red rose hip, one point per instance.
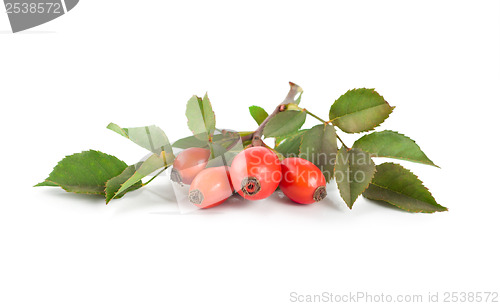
{"type": "Point", "coordinates": [210, 187]}
{"type": "Point", "coordinates": [302, 181]}
{"type": "Point", "coordinates": [188, 164]}
{"type": "Point", "coordinates": [256, 173]}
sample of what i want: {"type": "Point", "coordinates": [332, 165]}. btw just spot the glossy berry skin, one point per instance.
{"type": "Point", "coordinates": [302, 181]}
{"type": "Point", "coordinates": [256, 173]}
{"type": "Point", "coordinates": [210, 187]}
{"type": "Point", "coordinates": [188, 164]}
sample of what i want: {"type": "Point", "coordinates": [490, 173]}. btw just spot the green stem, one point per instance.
{"type": "Point", "coordinates": [326, 122]}
{"type": "Point", "coordinates": [155, 176]}
{"type": "Point", "coordinates": [313, 115]}
{"type": "Point", "coordinates": [342, 142]}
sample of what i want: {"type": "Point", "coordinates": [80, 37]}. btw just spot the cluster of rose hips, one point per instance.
{"type": "Point", "coordinates": [255, 173]}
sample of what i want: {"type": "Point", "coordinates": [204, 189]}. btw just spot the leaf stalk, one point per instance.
{"type": "Point", "coordinates": [326, 122]}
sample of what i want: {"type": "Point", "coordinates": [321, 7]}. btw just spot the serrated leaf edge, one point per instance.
{"type": "Point", "coordinates": [212, 109]}
{"type": "Point", "coordinates": [400, 158]}
{"type": "Point", "coordinates": [121, 185]}
{"type": "Point", "coordinates": [373, 175]}
{"type": "Point", "coordinates": [372, 128]}
{"type": "Point", "coordinates": [65, 189]}
{"type": "Point", "coordinates": [420, 181]}
{"type": "Point", "coordinates": [199, 99]}
{"type": "Point", "coordinates": [372, 89]}
{"type": "Point", "coordinates": [189, 120]}
{"type": "Point", "coordinates": [78, 192]}
{"type": "Point", "coordinates": [288, 134]}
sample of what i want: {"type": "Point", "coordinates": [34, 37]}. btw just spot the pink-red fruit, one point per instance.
{"type": "Point", "coordinates": [210, 187]}
{"type": "Point", "coordinates": [188, 164]}
{"type": "Point", "coordinates": [256, 173]}
{"type": "Point", "coordinates": [302, 181]}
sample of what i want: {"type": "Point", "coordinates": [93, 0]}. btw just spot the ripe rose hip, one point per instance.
{"type": "Point", "coordinates": [188, 164]}
{"type": "Point", "coordinates": [256, 173]}
{"type": "Point", "coordinates": [302, 181]}
{"type": "Point", "coordinates": [210, 187]}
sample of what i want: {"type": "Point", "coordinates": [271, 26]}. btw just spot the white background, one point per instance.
{"type": "Point", "coordinates": [137, 62]}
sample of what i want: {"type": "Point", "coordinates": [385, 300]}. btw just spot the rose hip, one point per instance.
{"type": "Point", "coordinates": [210, 187]}
{"type": "Point", "coordinates": [188, 164]}
{"type": "Point", "coordinates": [302, 181]}
{"type": "Point", "coordinates": [256, 173]}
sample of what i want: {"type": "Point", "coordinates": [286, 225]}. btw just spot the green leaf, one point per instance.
{"type": "Point", "coordinates": [354, 169]}
{"type": "Point", "coordinates": [153, 163]}
{"type": "Point", "coordinates": [398, 186]}
{"type": "Point", "coordinates": [224, 147]}
{"type": "Point", "coordinates": [245, 133]}
{"type": "Point", "coordinates": [85, 172]}
{"type": "Point", "coordinates": [319, 146]}
{"type": "Point", "coordinates": [220, 156]}
{"type": "Point", "coordinates": [116, 128]}
{"type": "Point", "coordinates": [46, 184]}
{"type": "Point", "coordinates": [359, 110]}
{"type": "Point", "coordinates": [225, 139]}
{"type": "Point", "coordinates": [114, 184]}
{"type": "Point", "coordinates": [190, 142]}
{"type": "Point", "coordinates": [150, 137]}
{"type": "Point", "coordinates": [394, 145]}
{"type": "Point", "coordinates": [216, 150]}
{"type": "Point", "coordinates": [290, 146]}
{"type": "Point", "coordinates": [208, 114]}
{"type": "Point", "coordinates": [258, 114]}
{"type": "Point", "coordinates": [201, 117]}
{"type": "Point", "coordinates": [285, 123]}
{"type": "Point", "coordinates": [248, 141]}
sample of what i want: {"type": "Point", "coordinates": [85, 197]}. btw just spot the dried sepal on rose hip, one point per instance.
{"type": "Point", "coordinates": [302, 181]}
{"type": "Point", "coordinates": [188, 164]}
{"type": "Point", "coordinates": [211, 187]}
{"type": "Point", "coordinates": [256, 173]}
